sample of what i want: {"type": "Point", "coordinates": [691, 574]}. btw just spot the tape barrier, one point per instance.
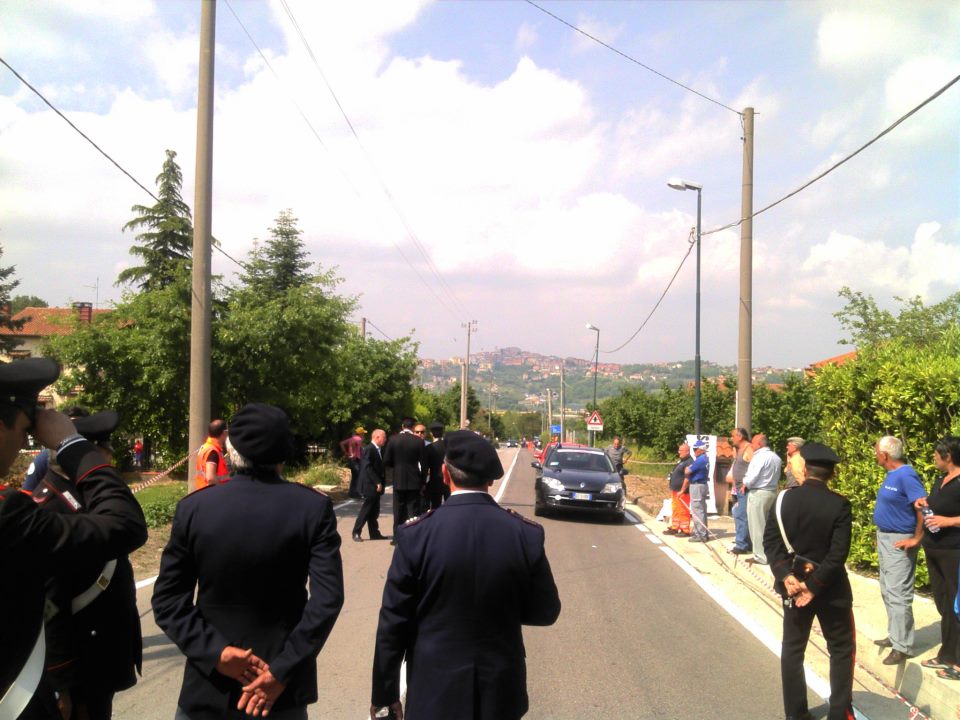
{"type": "Point", "coordinates": [160, 476]}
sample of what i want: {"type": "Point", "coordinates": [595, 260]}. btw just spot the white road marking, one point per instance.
{"type": "Point", "coordinates": [147, 582]}
{"type": "Point", "coordinates": [819, 685]}
{"type": "Point", "coordinates": [506, 478]}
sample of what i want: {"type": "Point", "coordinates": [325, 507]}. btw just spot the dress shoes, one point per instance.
{"type": "Point", "coordinates": [740, 551]}
{"type": "Point", "coordinates": [670, 531]}
{"type": "Point", "coordinates": [379, 536]}
{"type": "Point", "coordinates": [356, 537]}
{"type": "Point", "coordinates": [886, 642]}
{"type": "Point", "coordinates": [895, 658]}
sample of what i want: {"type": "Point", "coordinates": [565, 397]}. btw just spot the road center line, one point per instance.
{"type": "Point", "coordinates": [506, 478]}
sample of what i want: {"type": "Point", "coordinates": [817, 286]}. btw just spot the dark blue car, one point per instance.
{"type": "Point", "coordinates": [579, 479]}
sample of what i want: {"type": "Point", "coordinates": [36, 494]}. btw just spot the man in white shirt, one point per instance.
{"type": "Point", "coordinates": [761, 479]}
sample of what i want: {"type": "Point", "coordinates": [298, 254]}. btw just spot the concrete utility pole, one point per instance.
{"type": "Point", "coordinates": [549, 409]}
{"type": "Point", "coordinates": [745, 342]}
{"type": "Point", "coordinates": [202, 229]}
{"type": "Point", "coordinates": [563, 409]}
{"type": "Point", "coordinates": [465, 375]}
{"type": "Point", "coordinates": [363, 328]}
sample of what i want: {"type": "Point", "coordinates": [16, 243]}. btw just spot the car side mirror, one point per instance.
{"type": "Point", "coordinates": [535, 465]}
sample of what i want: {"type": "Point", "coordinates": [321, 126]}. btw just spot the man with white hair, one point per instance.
{"type": "Point", "coordinates": [761, 480]}
{"type": "Point", "coordinates": [793, 472]}
{"type": "Point", "coordinates": [899, 531]}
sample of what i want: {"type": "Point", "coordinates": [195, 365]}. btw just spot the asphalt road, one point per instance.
{"type": "Point", "coordinates": [636, 638]}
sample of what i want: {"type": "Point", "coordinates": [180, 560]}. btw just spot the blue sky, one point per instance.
{"type": "Point", "coordinates": [529, 162]}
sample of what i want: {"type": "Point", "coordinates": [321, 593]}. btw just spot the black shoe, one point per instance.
{"type": "Point", "coordinates": [356, 537]}
{"type": "Point", "coordinates": [379, 536]}
{"type": "Point", "coordinates": [670, 531]}
{"type": "Point", "coordinates": [895, 658]}
{"type": "Point", "coordinates": [393, 542]}
{"type": "Point", "coordinates": [886, 642]}
{"type": "Point", "coordinates": [740, 551]}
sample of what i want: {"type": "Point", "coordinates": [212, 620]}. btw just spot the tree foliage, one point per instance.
{"type": "Point", "coordinates": [792, 410]}
{"type": "Point", "coordinates": [21, 302]}
{"type": "Point", "coordinates": [164, 233]}
{"type": "Point", "coordinates": [280, 263]}
{"type": "Point", "coordinates": [7, 285]}
{"type": "Point", "coordinates": [915, 323]}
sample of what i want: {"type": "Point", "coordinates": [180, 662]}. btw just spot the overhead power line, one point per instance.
{"type": "Point", "coordinates": [628, 57]}
{"type": "Point", "coordinates": [837, 164]}
{"type": "Point", "coordinates": [383, 185]}
{"type": "Point", "coordinates": [676, 272]}
{"type": "Point", "coordinates": [103, 152]}
{"type": "Point", "coordinates": [379, 330]}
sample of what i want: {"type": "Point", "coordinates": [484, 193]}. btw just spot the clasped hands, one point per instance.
{"type": "Point", "coordinates": [798, 591]}
{"type": "Point", "coordinates": [260, 688]}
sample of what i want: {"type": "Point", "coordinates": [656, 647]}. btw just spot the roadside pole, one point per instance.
{"type": "Point", "coordinates": [745, 339]}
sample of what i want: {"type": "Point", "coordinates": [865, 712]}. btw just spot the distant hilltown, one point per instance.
{"type": "Point", "coordinates": [512, 378]}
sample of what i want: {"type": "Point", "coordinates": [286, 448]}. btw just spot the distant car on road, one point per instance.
{"type": "Point", "coordinates": [511, 443]}
{"type": "Point", "coordinates": [578, 479]}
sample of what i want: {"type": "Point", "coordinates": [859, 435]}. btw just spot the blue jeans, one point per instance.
{"type": "Point", "coordinates": [739, 512]}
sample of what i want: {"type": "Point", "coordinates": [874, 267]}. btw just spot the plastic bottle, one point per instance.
{"type": "Point", "coordinates": [928, 512]}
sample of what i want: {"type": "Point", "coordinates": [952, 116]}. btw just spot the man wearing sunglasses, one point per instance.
{"type": "Point", "coordinates": [34, 545]}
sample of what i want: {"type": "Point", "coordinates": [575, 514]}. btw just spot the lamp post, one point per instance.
{"type": "Point", "coordinates": [678, 184]}
{"type": "Point", "coordinates": [596, 359]}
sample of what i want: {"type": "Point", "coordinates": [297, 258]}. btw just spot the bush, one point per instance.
{"type": "Point", "coordinates": [160, 501]}
{"type": "Point", "coordinates": [323, 473]}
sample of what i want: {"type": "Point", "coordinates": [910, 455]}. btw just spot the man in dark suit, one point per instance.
{"type": "Point", "coordinates": [463, 580]}
{"type": "Point", "coordinates": [251, 545]}
{"type": "Point", "coordinates": [407, 454]}
{"type": "Point", "coordinates": [371, 482]}
{"type": "Point", "coordinates": [436, 491]}
{"type": "Point", "coordinates": [807, 559]}
{"type": "Point", "coordinates": [36, 545]}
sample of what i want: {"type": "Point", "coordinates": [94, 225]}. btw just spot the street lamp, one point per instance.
{"type": "Point", "coordinates": [596, 359]}
{"type": "Point", "coordinates": [678, 184]}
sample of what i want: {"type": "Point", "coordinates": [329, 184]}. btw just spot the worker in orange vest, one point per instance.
{"type": "Point", "coordinates": [211, 462]}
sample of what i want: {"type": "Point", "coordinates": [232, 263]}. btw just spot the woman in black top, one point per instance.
{"type": "Point", "coordinates": [941, 543]}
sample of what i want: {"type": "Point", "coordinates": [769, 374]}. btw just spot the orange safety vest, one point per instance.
{"type": "Point", "coordinates": [208, 447]}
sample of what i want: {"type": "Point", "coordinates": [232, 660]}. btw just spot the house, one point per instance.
{"type": "Point", "coordinates": [835, 360]}
{"type": "Point", "coordinates": [42, 324]}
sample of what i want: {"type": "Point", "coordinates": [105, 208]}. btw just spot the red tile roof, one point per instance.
{"type": "Point", "coordinates": [45, 322]}
{"type": "Point", "coordinates": [836, 360]}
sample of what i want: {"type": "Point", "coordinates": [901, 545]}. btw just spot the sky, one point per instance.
{"type": "Point", "coordinates": [499, 166]}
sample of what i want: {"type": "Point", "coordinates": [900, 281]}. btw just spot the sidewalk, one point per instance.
{"type": "Point", "coordinates": [934, 697]}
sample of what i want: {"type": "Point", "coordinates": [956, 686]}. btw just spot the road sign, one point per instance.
{"type": "Point", "coordinates": [595, 422]}
{"type": "Point", "coordinates": [554, 429]}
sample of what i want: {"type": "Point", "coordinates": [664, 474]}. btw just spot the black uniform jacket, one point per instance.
{"type": "Point", "coordinates": [818, 524]}
{"type": "Point", "coordinates": [38, 544]}
{"type": "Point", "coordinates": [406, 453]}
{"type": "Point", "coordinates": [372, 472]}
{"type": "Point", "coordinates": [464, 578]}
{"type": "Point", "coordinates": [435, 453]}
{"type": "Point", "coordinates": [249, 547]}
{"type": "Point", "coordinates": [100, 646]}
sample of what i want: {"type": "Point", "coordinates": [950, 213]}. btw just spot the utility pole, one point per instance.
{"type": "Point", "coordinates": [465, 375]}
{"type": "Point", "coordinates": [562, 406]}
{"type": "Point", "coordinates": [363, 328]}
{"type": "Point", "coordinates": [202, 229]}
{"type": "Point", "coordinates": [745, 337]}
{"type": "Point", "coordinates": [549, 409]}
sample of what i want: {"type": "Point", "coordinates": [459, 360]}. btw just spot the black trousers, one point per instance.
{"type": "Point", "coordinates": [406, 504]}
{"type": "Point", "coordinates": [369, 512]}
{"type": "Point", "coordinates": [838, 630]}
{"type": "Point", "coordinates": [434, 500]}
{"type": "Point", "coordinates": [354, 465]}
{"type": "Point", "coordinates": [943, 564]}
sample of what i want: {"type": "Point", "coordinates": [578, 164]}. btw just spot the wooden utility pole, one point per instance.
{"type": "Point", "coordinates": [202, 229]}
{"type": "Point", "coordinates": [745, 339]}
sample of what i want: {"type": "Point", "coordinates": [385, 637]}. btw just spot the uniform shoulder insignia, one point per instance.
{"type": "Point", "coordinates": [522, 517]}
{"type": "Point", "coordinates": [418, 518]}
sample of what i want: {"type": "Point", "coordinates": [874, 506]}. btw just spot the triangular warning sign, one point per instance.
{"type": "Point", "coordinates": [595, 419]}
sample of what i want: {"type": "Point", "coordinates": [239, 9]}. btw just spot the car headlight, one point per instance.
{"type": "Point", "coordinates": [613, 487]}
{"type": "Point", "coordinates": [552, 484]}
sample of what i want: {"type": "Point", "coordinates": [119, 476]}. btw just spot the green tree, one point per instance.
{"type": "Point", "coordinates": [7, 285]}
{"type": "Point", "coordinates": [450, 403]}
{"type": "Point", "coordinates": [793, 410]}
{"type": "Point", "coordinates": [281, 262]}
{"type": "Point", "coordinates": [164, 233]}
{"type": "Point", "coordinates": [427, 408]}
{"type": "Point", "coordinates": [915, 323]}
{"type": "Point", "coordinates": [21, 302]}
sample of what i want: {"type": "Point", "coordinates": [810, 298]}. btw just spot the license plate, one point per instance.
{"type": "Point", "coordinates": [581, 496]}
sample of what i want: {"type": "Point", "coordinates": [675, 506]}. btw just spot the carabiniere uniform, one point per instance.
{"type": "Point", "coordinates": [94, 643]}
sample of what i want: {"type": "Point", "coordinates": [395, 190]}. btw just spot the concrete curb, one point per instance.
{"type": "Point", "coordinates": [932, 696]}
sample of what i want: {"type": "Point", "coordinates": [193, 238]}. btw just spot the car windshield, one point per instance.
{"type": "Point", "coordinates": [574, 460]}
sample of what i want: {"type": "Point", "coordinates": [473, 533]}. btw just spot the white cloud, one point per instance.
{"type": "Point", "coordinates": [175, 59]}
{"type": "Point", "coordinates": [599, 29]}
{"type": "Point", "coordinates": [527, 37]}
{"type": "Point", "coordinates": [857, 39]}
{"type": "Point", "coordinates": [926, 265]}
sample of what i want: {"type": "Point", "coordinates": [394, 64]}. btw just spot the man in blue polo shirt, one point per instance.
{"type": "Point", "coordinates": [695, 482]}
{"type": "Point", "coordinates": [899, 530]}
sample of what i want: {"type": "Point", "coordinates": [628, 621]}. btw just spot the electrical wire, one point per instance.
{"type": "Point", "coordinates": [214, 244]}
{"type": "Point", "coordinates": [379, 330]}
{"type": "Point", "coordinates": [383, 185]}
{"type": "Point", "coordinates": [692, 243]}
{"type": "Point", "coordinates": [631, 59]}
{"type": "Point", "coordinates": [837, 164]}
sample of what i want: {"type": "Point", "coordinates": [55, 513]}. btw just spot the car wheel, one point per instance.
{"type": "Point", "coordinates": [539, 511]}
{"type": "Point", "coordinates": [617, 518]}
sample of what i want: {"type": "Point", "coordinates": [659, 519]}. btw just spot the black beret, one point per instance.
{"type": "Point", "coordinates": [24, 379]}
{"type": "Point", "coordinates": [261, 433]}
{"type": "Point", "coordinates": [97, 427]}
{"type": "Point", "coordinates": [814, 453]}
{"type": "Point", "coordinates": [472, 454]}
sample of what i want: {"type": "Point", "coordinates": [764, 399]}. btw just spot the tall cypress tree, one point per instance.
{"type": "Point", "coordinates": [165, 233]}
{"type": "Point", "coordinates": [280, 263]}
